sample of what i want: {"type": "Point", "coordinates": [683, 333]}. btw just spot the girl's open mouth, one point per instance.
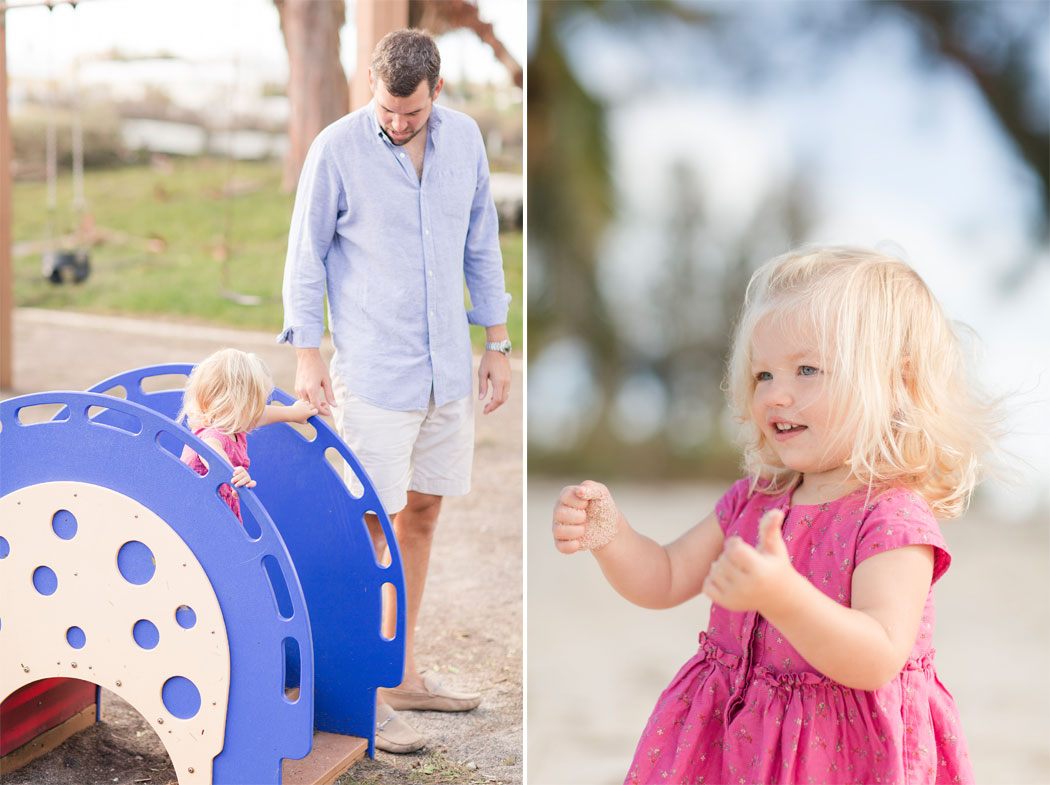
{"type": "Point", "coordinates": [785, 430]}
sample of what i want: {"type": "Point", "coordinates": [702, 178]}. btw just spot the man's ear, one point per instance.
{"type": "Point", "coordinates": [371, 81]}
{"type": "Point", "coordinates": [437, 88]}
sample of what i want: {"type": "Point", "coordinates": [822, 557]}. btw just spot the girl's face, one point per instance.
{"type": "Point", "coordinates": [792, 406]}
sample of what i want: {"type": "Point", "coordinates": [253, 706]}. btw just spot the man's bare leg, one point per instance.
{"type": "Point", "coordinates": [414, 528]}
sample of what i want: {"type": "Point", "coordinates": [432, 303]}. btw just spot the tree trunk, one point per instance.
{"type": "Point", "coordinates": [317, 88]}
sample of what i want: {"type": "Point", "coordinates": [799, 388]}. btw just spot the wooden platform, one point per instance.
{"type": "Point", "coordinates": [332, 756]}
{"type": "Point", "coordinates": [50, 739]}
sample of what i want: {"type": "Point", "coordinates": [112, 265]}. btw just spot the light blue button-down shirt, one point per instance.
{"type": "Point", "coordinates": [393, 250]}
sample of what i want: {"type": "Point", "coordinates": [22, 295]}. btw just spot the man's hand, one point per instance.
{"type": "Point", "coordinates": [494, 371]}
{"type": "Point", "coordinates": [312, 382]}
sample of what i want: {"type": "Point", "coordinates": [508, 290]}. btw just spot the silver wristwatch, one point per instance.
{"type": "Point", "coordinates": [499, 346]}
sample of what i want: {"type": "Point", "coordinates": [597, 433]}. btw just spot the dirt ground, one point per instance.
{"type": "Point", "coordinates": [470, 630]}
{"type": "Point", "coordinates": [597, 663]}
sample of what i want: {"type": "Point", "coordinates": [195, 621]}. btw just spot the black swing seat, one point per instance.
{"type": "Point", "coordinates": [64, 266]}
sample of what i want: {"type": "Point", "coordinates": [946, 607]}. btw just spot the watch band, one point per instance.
{"type": "Point", "coordinates": [503, 347]}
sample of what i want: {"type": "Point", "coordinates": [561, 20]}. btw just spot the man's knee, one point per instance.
{"type": "Point", "coordinates": [420, 515]}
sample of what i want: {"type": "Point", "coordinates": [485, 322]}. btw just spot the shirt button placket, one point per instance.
{"type": "Point", "coordinates": [433, 329]}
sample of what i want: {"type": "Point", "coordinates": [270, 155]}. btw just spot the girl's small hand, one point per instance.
{"type": "Point", "coordinates": [301, 411]}
{"type": "Point", "coordinates": [745, 578]}
{"type": "Point", "coordinates": [241, 478]}
{"type": "Point", "coordinates": [570, 515]}
{"type": "Point", "coordinates": [585, 517]}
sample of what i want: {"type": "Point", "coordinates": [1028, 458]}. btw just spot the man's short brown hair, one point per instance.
{"type": "Point", "coordinates": [403, 59]}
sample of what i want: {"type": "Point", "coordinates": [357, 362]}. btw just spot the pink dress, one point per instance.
{"type": "Point", "coordinates": [236, 448]}
{"type": "Point", "coordinates": [748, 709]}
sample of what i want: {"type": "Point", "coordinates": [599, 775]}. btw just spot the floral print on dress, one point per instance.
{"type": "Point", "coordinates": [236, 448]}
{"type": "Point", "coordinates": [747, 708]}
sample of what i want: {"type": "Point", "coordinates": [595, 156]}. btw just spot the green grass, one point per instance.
{"type": "Point", "coordinates": [165, 251]}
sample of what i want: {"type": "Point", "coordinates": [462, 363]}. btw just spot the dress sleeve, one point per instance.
{"type": "Point", "coordinates": [898, 519]}
{"type": "Point", "coordinates": [729, 507]}
{"type": "Point", "coordinates": [214, 433]}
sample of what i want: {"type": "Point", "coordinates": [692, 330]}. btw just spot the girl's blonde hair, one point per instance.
{"type": "Point", "coordinates": [228, 391]}
{"type": "Point", "coordinates": [896, 370]}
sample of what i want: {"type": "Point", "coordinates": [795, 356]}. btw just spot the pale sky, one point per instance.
{"type": "Point", "coordinates": [245, 32]}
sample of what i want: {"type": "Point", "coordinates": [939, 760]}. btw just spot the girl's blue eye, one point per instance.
{"type": "Point", "coordinates": [763, 376]}
{"type": "Point", "coordinates": [807, 370]}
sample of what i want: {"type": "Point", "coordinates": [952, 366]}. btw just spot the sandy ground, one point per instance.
{"type": "Point", "coordinates": [470, 632]}
{"type": "Point", "coordinates": [596, 663]}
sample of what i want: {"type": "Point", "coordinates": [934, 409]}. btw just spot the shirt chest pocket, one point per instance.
{"type": "Point", "coordinates": [454, 190]}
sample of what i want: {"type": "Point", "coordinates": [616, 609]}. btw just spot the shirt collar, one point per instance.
{"type": "Point", "coordinates": [433, 122]}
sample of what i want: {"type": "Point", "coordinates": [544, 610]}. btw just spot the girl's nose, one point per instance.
{"type": "Point", "coordinates": [778, 393]}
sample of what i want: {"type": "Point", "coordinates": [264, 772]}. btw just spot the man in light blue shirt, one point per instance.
{"type": "Point", "coordinates": [393, 212]}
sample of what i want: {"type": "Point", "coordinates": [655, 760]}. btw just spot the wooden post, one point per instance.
{"type": "Point", "coordinates": [375, 18]}
{"type": "Point", "coordinates": [7, 297]}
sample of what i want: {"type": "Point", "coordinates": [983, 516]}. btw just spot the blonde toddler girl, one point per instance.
{"type": "Point", "coordinates": [225, 398]}
{"type": "Point", "coordinates": [860, 430]}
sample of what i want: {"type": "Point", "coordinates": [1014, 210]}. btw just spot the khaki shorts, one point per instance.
{"type": "Point", "coordinates": [428, 451]}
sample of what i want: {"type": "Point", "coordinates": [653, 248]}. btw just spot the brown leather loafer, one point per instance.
{"type": "Point", "coordinates": [395, 735]}
{"type": "Point", "coordinates": [433, 697]}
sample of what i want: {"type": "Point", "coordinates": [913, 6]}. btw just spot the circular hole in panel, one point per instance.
{"type": "Point", "coordinates": [135, 562]}
{"type": "Point", "coordinates": [76, 638]}
{"type": "Point", "coordinates": [44, 580]}
{"type": "Point", "coordinates": [181, 697]}
{"type": "Point", "coordinates": [145, 634]}
{"type": "Point", "coordinates": [64, 524]}
{"type": "Point", "coordinates": [5, 547]}
{"type": "Point", "coordinates": [185, 617]}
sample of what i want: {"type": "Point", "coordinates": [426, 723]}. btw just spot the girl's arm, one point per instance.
{"type": "Point", "coordinates": [862, 646]}
{"type": "Point", "coordinates": [300, 411]}
{"type": "Point", "coordinates": [640, 569]}
{"type": "Point", "coordinates": [240, 474]}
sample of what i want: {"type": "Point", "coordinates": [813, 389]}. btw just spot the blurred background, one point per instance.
{"type": "Point", "coordinates": [164, 139]}
{"type": "Point", "coordinates": [672, 148]}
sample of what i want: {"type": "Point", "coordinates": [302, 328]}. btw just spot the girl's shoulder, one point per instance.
{"type": "Point", "coordinates": [893, 518]}
{"type": "Point", "coordinates": [210, 431]}
{"type": "Point", "coordinates": [893, 501]}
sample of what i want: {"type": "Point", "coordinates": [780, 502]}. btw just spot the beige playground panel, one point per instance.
{"type": "Point", "coordinates": [146, 626]}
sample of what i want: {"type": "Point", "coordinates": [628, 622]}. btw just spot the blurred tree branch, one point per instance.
{"type": "Point", "coordinates": [570, 195]}
{"type": "Point", "coordinates": [440, 16]}
{"type": "Point", "coordinates": [1005, 80]}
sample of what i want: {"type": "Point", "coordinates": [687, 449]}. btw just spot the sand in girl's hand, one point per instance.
{"type": "Point", "coordinates": [602, 516]}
